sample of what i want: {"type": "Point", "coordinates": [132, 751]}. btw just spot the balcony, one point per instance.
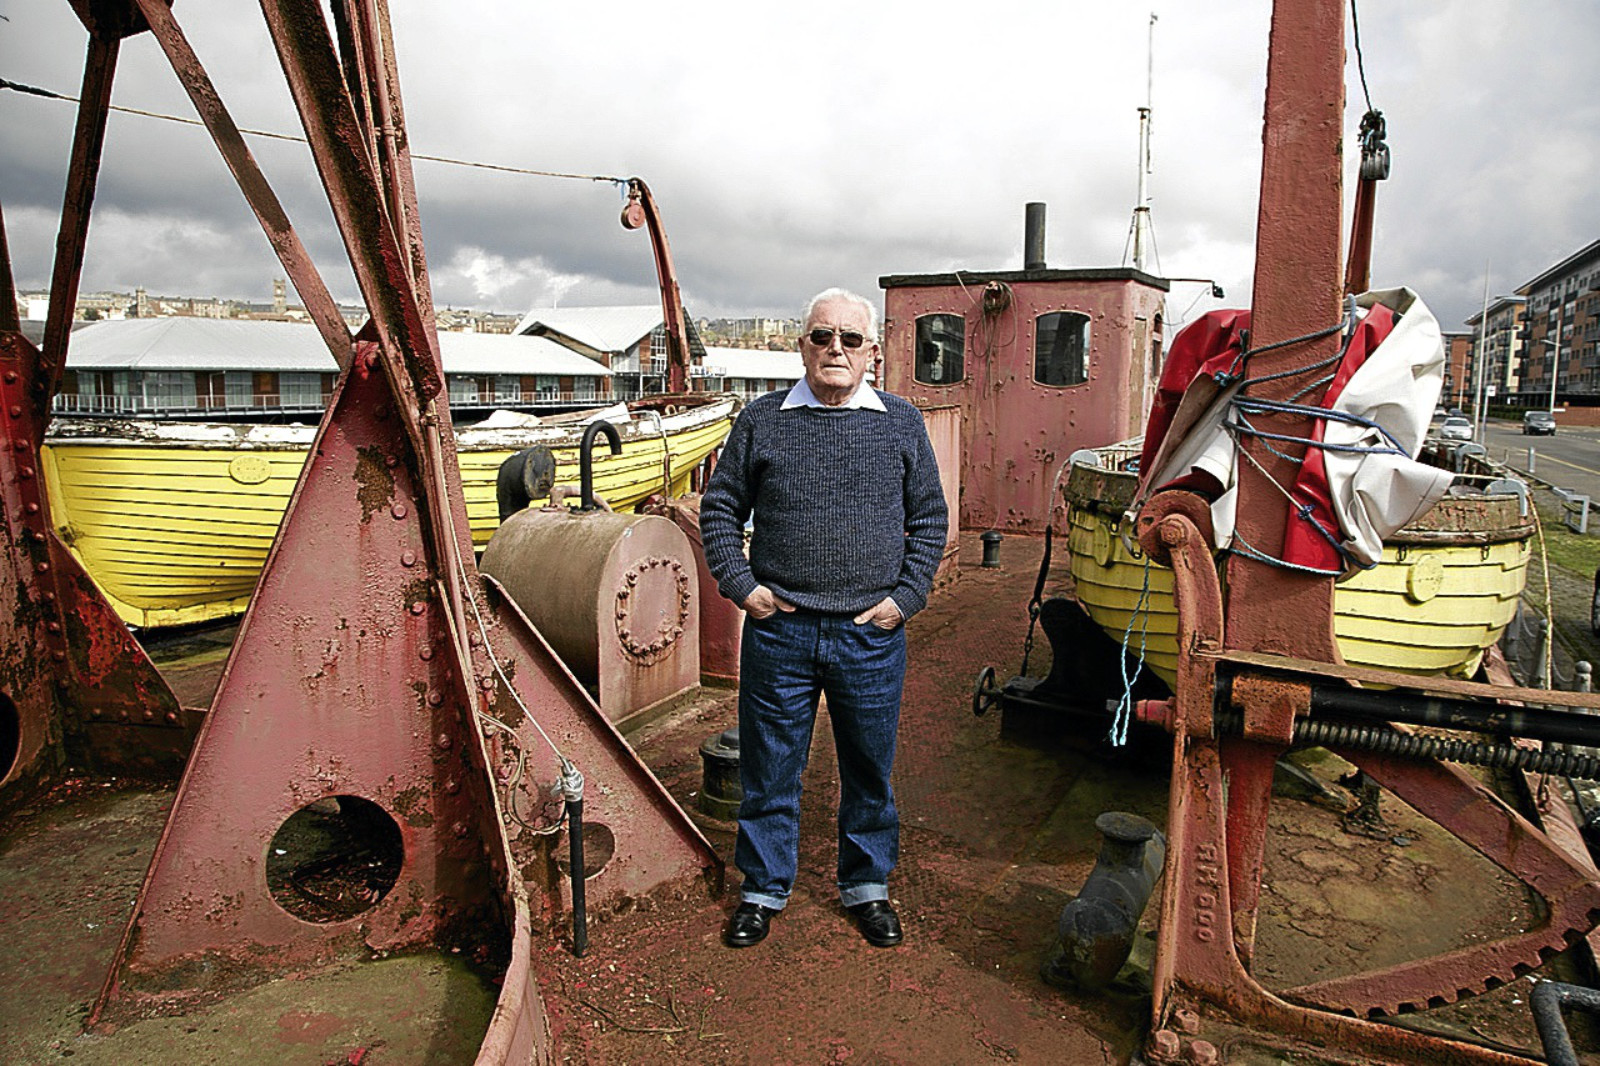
{"type": "Point", "coordinates": [277, 408]}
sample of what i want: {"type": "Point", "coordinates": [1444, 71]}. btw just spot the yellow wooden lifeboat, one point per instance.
{"type": "Point", "coordinates": [1446, 589]}
{"type": "Point", "coordinates": [173, 520]}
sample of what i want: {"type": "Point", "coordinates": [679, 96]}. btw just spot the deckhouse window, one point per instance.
{"type": "Point", "coordinates": [1061, 348]}
{"type": "Point", "coordinates": [941, 349]}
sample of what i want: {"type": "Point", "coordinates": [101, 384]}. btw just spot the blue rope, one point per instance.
{"type": "Point", "coordinates": [1249, 552]}
{"type": "Point", "coordinates": [1124, 714]}
{"type": "Point", "coordinates": [1253, 406]}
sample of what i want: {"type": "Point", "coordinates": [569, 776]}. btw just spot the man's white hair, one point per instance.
{"type": "Point", "coordinates": [845, 296]}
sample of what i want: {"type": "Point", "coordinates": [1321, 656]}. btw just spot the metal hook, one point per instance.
{"type": "Point", "coordinates": [586, 459]}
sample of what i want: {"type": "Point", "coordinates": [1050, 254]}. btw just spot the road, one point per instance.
{"type": "Point", "coordinates": [1569, 459]}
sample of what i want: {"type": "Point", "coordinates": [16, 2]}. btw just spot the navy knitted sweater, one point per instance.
{"type": "Point", "coordinates": [848, 507]}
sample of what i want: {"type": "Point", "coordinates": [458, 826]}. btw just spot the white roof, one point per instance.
{"type": "Point", "coordinates": [500, 353]}
{"type": "Point", "coordinates": [754, 363]}
{"type": "Point", "coordinates": [606, 329]}
{"type": "Point", "coordinates": [180, 344]}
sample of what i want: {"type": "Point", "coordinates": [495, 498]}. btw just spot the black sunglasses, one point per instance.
{"type": "Point", "coordinates": [822, 337]}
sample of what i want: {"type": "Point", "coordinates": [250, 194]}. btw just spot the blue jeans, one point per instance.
{"type": "Point", "coordinates": [786, 662]}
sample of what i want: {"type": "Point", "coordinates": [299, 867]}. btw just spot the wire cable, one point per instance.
{"type": "Point", "coordinates": [269, 135]}
{"type": "Point", "coordinates": [1361, 66]}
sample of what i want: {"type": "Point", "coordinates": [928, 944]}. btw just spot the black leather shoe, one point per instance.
{"type": "Point", "coordinates": [878, 923]}
{"type": "Point", "coordinates": [748, 926]}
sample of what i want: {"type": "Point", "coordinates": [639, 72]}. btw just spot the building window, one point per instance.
{"type": "Point", "coordinates": [167, 389]}
{"type": "Point", "coordinates": [463, 389]}
{"type": "Point", "coordinates": [1061, 348]}
{"type": "Point", "coordinates": [236, 388]}
{"type": "Point", "coordinates": [941, 348]}
{"type": "Point", "coordinates": [300, 390]}
{"type": "Point", "coordinates": [548, 385]}
{"type": "Point", "coordinates": [507, 388]}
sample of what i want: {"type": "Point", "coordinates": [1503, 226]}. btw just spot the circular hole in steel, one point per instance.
{"type": "Point", "coordinates": [10, 736]}
{"type": "Point", "coordinates": [599, 846]}
{"type": "Point", "coordinates": [334, 859]}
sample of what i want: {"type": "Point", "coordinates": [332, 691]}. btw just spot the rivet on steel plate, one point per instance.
{"type": "Point", "coordinates": [54, 627]}
{"type": "Point", "coordinates": [435, 698]}
{"type": "Point", "coordinates": [398, 510]}
{"type": "Point", "coordinates": [391, 461]}
{"type": "Point", "coordinates": [460, 829]}
{"type": "Point", "coordinates": [425, 652]}
{"type": "Point", "coordinates": [59, 656]}
{"type": "Point", "coordinates": [95, 712]}
{"type": "Point", "coordinates": [16, 411]}
{"type": "Point", "coordinates": [418, 607]}
{"type": "Point", "coordinates": [43, 568]}
{"type": "Point", "coordinates": [11, 377]}
{"type": "Point", "coordinates": [122, 715]}
{"type": "Point", "coordinates": [408, 558]}
{"type": "Point", "coordinates": [443, 740]}
{"type": "Point", "coordinates": [149, 714]}
{"type": "Point", "coordinates": [172, 717]}
{"type": "Point", "coordinates": [21, 445]}
{"type": "Point", "coordinates": [25, 473]}
{"type": "Point", "coordinates": [31, 508]}
{"type": "Point", "coordinates": [486, 682]}
{"type": "Point", "coordinates": [452, 786]}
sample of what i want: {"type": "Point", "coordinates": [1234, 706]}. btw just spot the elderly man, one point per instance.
{"type": "Point", "coordinates": [849, 528]}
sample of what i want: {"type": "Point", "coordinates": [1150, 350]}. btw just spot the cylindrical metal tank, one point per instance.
{"type": "Point", "coordinates": [721, 622]}
{"type": "Point", "coordinates": [615, 596]}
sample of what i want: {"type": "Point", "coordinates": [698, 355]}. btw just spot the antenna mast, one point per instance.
{"type": "Point", "coordinates": [1143, 232]}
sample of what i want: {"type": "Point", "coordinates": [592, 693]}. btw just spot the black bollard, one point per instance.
{"type": "Point", "coordinates": [720, 790]}
{"type": "Point", "coordinates": [991, 547]}
{"type": "Point", "coordinates": [1095, 934]}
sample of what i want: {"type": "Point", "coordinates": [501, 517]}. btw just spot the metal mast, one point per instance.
{"type": "Point", "coordinates": [1143, 234]}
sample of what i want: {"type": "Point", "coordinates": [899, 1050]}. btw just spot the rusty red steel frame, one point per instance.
{"type": "Point", "coordinates": [1207, 917]}
{"type": "Point", "coordinates": [374, 663]}
{"type": "Point", "coordinates": [77, 692]}
{"type": "Point", "coordinates": [1271, 639]}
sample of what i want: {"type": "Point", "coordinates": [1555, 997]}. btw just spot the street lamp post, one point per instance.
{"type": "Point", "coordinates": [1555, 356]}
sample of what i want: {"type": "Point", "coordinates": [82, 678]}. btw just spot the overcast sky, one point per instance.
{"type": "Point", "coordinates": [796, 146]}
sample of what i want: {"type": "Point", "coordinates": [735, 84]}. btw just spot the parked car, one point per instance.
{"type": "Point", "coordinates": [1538, 423]}
{"type": "Point", "coordinates": [1455, 428]}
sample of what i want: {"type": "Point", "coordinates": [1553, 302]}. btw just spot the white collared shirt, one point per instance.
{"type": "Point", "coordinates": [864, 398]}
